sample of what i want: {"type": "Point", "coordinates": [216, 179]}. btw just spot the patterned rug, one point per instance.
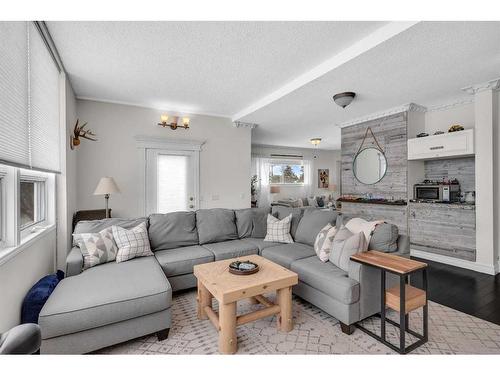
{"type": "Point", "coordinates": [315, 332]}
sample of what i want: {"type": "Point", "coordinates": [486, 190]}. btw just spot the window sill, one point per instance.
{"type": "Point", "coordinates": [10, 252]}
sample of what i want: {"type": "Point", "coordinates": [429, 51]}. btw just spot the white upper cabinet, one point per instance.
{"type": "Point", "coordinates": [448, 145]}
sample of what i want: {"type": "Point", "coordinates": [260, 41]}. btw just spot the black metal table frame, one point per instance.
{"type": "Point", "coordinates": [403, 316]}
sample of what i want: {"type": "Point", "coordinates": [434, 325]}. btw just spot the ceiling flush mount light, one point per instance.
{"type": "Point", "coordinates": [343, 99]}
{"type": "Point", "coordinates": [173, 123]}
{"type": "Point", "coordinates": [315, 141]}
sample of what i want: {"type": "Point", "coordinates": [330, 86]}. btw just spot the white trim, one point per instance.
{"type": "Point", "coordinates": [363, 45]}
{"type": "Point", "coordinates": [474, 266]}
{"type": "Point", "coordinates": [174, 111]}
{"type": "Point", "coordinates": [148, 142]}
{"type": "Point", "coordinates": [9, 252]}
{"type": "Point", "coordinates": [444, 107]}
{"type": "Point", "coordinates": [240, 124]}
{"type": "Point", "coordinates": [493, 84]}
{"type": "Point", "coordinates": [410, 107]}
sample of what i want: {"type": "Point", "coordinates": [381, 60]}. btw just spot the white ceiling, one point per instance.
{"type": "Point", "coordinates": [280, 75]}
{"type": "Point", "coordinates": [202, 67]}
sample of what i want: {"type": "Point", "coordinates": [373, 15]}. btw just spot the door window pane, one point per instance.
{"type": "Point", "coordinates": [172, 183]}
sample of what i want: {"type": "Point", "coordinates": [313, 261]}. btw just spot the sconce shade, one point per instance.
{"type": "Point", "coordinates": [106, 185]}
{"type": "Point", "coordinates": [275, 189]}
{"type": "Point", "coordinates": [185, 121]}
{"type": "Point", "coordinates": [163, 119]}
{"type": "Point", "coordinates": [315, 141]}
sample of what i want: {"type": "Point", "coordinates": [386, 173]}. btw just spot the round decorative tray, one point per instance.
{"type": "Point", "coordinates": [243, 268]}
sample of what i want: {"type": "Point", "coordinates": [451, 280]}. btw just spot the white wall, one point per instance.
{"type": "Point", "coordinates": [224, 159]}
{"type": "Point", "coordinates": [326, 159]}
{"type": "Point", "coordinates": [66, 180]}
{"type": "Point", "coordinates": [20, 272]}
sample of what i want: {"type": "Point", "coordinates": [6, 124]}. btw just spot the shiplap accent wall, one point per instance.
{"type": "Point", "coordinates": [463, 169]}
{"type": "Point", "coordinates": [391, 134]}
{"type": "Point", "coordinates": [396, 215]}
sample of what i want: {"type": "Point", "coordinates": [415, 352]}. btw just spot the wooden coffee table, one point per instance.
{"type": "Point", "coordinates": [215, 281]}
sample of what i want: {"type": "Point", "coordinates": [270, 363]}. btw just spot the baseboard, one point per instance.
{"type": "Point", "coordinates": [474, 266]}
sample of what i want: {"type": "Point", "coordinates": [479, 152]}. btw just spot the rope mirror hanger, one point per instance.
{"type": "Point", "coordinates": [369, 129]}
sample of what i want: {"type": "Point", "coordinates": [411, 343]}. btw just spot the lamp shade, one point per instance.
{"type": "Point", "coordinates": [106, 185]}
{"type": "Point", "coordinates": [275, 189]}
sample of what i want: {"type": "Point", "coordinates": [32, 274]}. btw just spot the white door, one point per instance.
{"type": "Point", "coordinates": [171, 181]}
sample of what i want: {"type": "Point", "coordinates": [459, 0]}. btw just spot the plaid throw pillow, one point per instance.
{"type": "Point", "coordinates": [324, 242]}
{"type": "Point", "coordinates": [96, 248]}
{"type": "Point", "coordinates": [278, 230]}
{"type": "Point", "coordinates": [132, 243]}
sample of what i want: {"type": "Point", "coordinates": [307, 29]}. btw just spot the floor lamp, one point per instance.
{"type": "Point", "coordinates": [106, 186]}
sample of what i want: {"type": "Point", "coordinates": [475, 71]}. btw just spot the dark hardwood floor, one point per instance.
{"type": "Point", "coordinates": [468, 291]}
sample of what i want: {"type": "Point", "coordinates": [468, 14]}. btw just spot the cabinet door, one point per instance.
{"type": "Point", "coordinates": [444, 230]}
{"type": "Point", "coordinates": [440, 146]}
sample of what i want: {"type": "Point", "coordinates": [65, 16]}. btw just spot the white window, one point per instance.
{"type": "Point", "coordinates": [32, 202]}
{"type": "Point", "coordinates": [286, 173]}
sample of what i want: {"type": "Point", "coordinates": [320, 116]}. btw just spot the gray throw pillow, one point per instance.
{"type": "Point", "coordinates": [311, 224]}
{"type": "Point", "coordinates": [252, 222]}
{"type": "Point", "coordinates": [346, 244]}
{"type": "Point", "coordinates": [216, 225]}
{"type": "Point", "coordinates": [172, 230]}
{"type": "Point", "coordinates": [384, 238]}
{"type": "Point", "coordinates": [96, 248]}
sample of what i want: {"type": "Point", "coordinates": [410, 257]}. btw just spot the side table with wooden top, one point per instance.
{"type": "Point", "coordinates": [403, 298]}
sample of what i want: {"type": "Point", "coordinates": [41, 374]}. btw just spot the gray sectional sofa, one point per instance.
{"type": "Point", "coordinates": [116, 302]}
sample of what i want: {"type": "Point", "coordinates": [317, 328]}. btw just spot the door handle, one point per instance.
{"type": "Point", "coordinates": [191, 199]}
{"type": "Point", "coordinates": [191, 206]}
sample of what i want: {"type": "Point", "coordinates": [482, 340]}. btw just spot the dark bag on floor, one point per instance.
{"type": "Point", "coordinates": [38, 295]}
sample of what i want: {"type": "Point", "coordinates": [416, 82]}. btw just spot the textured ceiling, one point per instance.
{"type": "Point", "coordinates": [203, 67]}
{"type": "Point", "coordinates": [224, 68]}
{"type": "Point", "coordinates": [427, 64]}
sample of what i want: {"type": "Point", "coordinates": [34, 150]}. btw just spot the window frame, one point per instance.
{"type": "Point", "coordinates": [40, 197]}
{"type": "Point", "coordinates": [286, 163]}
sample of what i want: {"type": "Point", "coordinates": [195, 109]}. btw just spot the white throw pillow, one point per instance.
{"type": "Point", "coordinates": [312, 202]}
{"type": "Point", "coordinates": [324, 241]}
{"type": "Point", "coordinates": [346, 244]}
{"type": "Point", "coordinates": [278, 230]}
{"type": "Point", "coordinates": [357, 225]}
{"type": "Point", "coordinates": [132, 243]}
{"type": "Point", "coordinates": [96, 248]}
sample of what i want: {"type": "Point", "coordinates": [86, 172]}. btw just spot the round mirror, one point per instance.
{"type": "Point", "coordinates": [369, 166]}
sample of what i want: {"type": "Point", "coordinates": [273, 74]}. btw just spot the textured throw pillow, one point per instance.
{"type": "Point", "coordinates": [346, 244]}
{"type": "Point", "coordinates": [357, 224]}
{"type": "Point", "coordinates": [384, 238]}
{"type": "Point", "coordinates": [132, 243]}
{"type": "Point", "coordinates": [324, 242]}
{"type": "Point", "coordinates": [312, 202]}
{"type": "Point", "coordinates": [96, 248]}
{"type": "Point", "coordinates": [278, 230]}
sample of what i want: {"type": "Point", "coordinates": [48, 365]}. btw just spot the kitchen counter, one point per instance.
{"type": "Point", "coordinates": [373, 201]}
{"type": "Point", "coordinates": [465, 206]}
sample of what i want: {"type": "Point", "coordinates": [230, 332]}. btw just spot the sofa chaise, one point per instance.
{"type": "Point", "coordinates": [115, 302]}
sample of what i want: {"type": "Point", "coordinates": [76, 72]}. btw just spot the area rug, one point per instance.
{"type": "Point", "coordinates": [315, 332]}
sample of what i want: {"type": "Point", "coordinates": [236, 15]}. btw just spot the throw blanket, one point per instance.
{"type": "Point", "coordinates": [357, 225]}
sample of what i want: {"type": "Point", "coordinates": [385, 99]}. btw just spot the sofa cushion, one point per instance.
{"type": "Point", "coordinates": [260, 243]}
{"type": "Point", "coordinates": [281, 212]}
{"type": "Point", "coordinates": [95, 226]}
{"type": "Point", "coordinates": [346, 244]}
{"type": "Point", "coordinates": [384, 238]}
{"type": "Point", "coordinates": [327, 278]}
{"type": "Point", "coordinates": [311, 224]}
{"type": "Point", "coordinates": [215, 225]}
{"type": "Point", "coordinates": [252, 222]}
{"type": "Point", "coordinates": [172, 230]}
{"type": "Point", "coordinates": [106, 294]}
{"type": "Point", "coordinates": [285, 254]}
{"type": "Point", "coordinates": [180, 261]}
{"type": "Point", "coordinates": [231, 249]}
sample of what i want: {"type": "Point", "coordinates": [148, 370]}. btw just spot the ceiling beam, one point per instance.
{"type": "Point", "coordinates": [379, 36]}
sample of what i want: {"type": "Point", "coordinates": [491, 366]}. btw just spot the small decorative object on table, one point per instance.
{"type": "Point", "coordinates": [420, 135]}
{"type": "Point", "coordinates": [438, 132]}
{"type": "Point", "coordinates": [243, 267]}
{"type": "Point", "coordinates": [455, 128]}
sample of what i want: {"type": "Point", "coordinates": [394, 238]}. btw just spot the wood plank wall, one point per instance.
{"type": "Point", "coordinates": [391, 134]}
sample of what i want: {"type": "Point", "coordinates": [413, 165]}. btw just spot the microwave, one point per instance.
{"type": "Point", "coordinates": [436, 192]}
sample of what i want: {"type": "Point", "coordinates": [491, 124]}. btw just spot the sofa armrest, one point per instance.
{"type": "Point", "coordinates": [74, 262]}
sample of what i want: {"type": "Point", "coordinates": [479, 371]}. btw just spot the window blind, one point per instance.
{"type": "Point", "coordinates": [44, 105]}
{"type": "Point", "coordinates": [29, 99]}
{"type": "Point", "coordinates": [14, 131]}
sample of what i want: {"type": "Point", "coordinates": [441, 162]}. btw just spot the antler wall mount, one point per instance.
{"type": "Point", "coordinates": [80, 132]}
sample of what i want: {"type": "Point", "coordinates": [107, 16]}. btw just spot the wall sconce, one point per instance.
{"type": "Point", "coordinates": [315, 141]}
{"type": "Point", "coordinates": [173, 124]}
